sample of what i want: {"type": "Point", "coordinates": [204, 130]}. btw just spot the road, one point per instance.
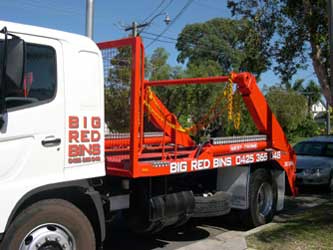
{"type": "Point", "coordinates": [169, 239]}
{"type": "Point", "coordinates": [121, 239]}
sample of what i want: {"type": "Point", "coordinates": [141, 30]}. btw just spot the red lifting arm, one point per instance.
{"type": "Point", "coordinates": [258, 107]}
{"type": "Point", "coordinates": [259, 110]}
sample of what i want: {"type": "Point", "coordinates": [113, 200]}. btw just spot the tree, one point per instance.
{"type": "Point", "coordinates": [117, 91]}
{"type": "Point", "coordinates": [311, 91]}
{"type": "Point", "coordinates": [289, 108]}
{"type": "Point", "coordinates": [158, 67]}
{"type": "Point", "coordinates": [225, 42]}
{"type": "Point", "coordinates": [190, 103]}
{"type": "Point", "coordinates": [292, 32]}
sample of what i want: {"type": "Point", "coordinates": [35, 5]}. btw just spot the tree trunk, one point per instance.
{"type": "Point", "coordinates": [321, 72]}
{"type": "Point", "coordinates": [316, 55]}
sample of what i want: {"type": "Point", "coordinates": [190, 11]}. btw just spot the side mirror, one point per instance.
{"type": "Point", "coordinates": [15, 61]}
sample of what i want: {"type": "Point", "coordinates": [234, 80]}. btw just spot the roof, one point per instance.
{"type": "Point", "coordinates": [323, 138]}
{"type": "Point", "coordinates": [23, 29]}
{"type": "Point", "coordinates": [319, 103]}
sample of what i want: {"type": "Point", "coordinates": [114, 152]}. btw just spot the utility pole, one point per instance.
{"type": "Point", "coordinates": [90, 18]}
{"type": "Point", "coordinates": [330, 27]}
{"type": "Point", "coordinates": [134, 27]}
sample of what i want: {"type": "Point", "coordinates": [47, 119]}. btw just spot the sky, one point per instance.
{"type": "Point", "coordinates": [112, 16]}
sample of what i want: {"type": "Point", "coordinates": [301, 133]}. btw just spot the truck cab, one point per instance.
{"type": "Point", "coordinates": [53, 119]}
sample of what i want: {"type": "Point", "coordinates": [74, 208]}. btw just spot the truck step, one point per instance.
{"type": "Point", "coordinates": [215, 205]}
{"type": "Point", "coordinates": [237, 139]}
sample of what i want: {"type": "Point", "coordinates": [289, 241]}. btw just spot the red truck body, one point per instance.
{"type": "Point", "coordinates": [139, 154]}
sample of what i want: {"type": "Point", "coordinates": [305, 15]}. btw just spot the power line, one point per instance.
{"type": "Point", "coordinates": [160, 13]}
{"type": "Point", "coordinates": [163, 41]}
{"type": "Point", "coordinates": [153, 12]}
{"type": "Point", "coordinates": [174, 41]}
{"type": "Point", "coordinates": [154, 34]}
{"type": "Point", "coordinates": [189, 2]}
{"type": "Point", "coordinates": [197, 45]}
{"type": "Point", "coordinates": [167, 6]}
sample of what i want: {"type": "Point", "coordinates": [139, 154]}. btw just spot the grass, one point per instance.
{"type": "Point", "coordinates": [312, 229]}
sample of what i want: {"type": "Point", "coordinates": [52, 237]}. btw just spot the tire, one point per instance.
{"type": "Point", "coordinates": [50, 224]}
{"type": "Point", "coordinates": [217, 205]}
{"type": "Point", "coordinates": [262, 199]}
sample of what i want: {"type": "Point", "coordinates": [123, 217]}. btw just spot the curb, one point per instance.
{"type": "Point", "coordinates": [258, 229]}
{"type": "Point", "coordinates": [230, 240]}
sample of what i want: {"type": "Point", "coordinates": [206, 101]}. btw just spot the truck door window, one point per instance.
{"type": "Point", "coordinates": [40, 79]}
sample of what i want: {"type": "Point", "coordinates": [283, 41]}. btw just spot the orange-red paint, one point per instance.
{"type": "Point", "coordinates": [175, 151]}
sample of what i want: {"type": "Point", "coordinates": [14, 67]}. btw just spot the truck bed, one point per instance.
{"type": "Point", "coordinates": [173, 151]}
{"type": "Point", "coordinates": [159, 159]}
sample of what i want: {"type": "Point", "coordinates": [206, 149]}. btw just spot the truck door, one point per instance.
{"type": "Point", "coordinates": [32, 138]}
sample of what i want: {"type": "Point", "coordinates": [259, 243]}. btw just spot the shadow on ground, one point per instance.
{"type": "Point", "coordinates": [170, 238]}
{"type": "Point", "coordinates": [121, 238]}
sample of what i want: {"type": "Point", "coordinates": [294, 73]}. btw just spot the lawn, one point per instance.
{"type": "Point", "coordinates": [312, 229]}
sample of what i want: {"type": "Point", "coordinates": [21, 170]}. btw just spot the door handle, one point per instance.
{"type": "Point", "coordinates": [51, 142]}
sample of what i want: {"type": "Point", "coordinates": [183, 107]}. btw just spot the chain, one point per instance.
{"type": "Point", "coordinates": [228, 95]}
{"type": "Point", "coordinates": [237, 110]}
{"type": "Point", "coordinates": [158, 114]}
{"type": "Point", "coordinates": [233, 105]}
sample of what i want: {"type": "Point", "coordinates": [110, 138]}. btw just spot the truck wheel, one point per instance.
{"type": "Point", "coordinates": [50, 225]}
{"type": "Point", "coordinates": [262, 199]}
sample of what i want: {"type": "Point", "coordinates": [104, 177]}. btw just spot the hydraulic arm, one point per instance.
{"type": "Point", "coordinates": [173, 151]}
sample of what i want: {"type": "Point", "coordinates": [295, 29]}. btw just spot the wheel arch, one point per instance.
{"type": "Point", "coordinates": [236, 180]}
{"type": "Point", "coordinates": [79, 193]}
{"type": "Point", "coordinates": [278, 176]}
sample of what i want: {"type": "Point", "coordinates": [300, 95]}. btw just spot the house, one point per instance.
{"type": "Point", "coordinates": [318, 109]}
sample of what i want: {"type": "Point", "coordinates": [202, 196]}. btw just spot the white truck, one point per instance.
{"type": "Point", "coordinates": [62, 179]}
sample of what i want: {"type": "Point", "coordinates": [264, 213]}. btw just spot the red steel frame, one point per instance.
{"type": "Point", "coordinates": [139, 164]}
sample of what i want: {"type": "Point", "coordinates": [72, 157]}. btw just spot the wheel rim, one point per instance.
{"type": "Point", "coordinates": [48, 237]}
{"type": "Point", "coordinates": [265, 199]}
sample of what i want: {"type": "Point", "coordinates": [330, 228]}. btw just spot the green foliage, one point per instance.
{"type": "Point", "coordinates": [224, 41]}
{"type": "Point", "coordinates": [290, 110]}
{"type": "Point", "coordinates": [292, 32]}
{"type": "Point", "coordinates": [192, 103]}
{"type": "Point", "coordinates": [117, 91]}
{"type": "Point", "coordinates": [312, 91]}
{"type": "Point", "coordinates": [159, 69]}
{"type": "Point", "coordinates": [308, 128]}
{"type": "Point", "coordinates": [117, 110]}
